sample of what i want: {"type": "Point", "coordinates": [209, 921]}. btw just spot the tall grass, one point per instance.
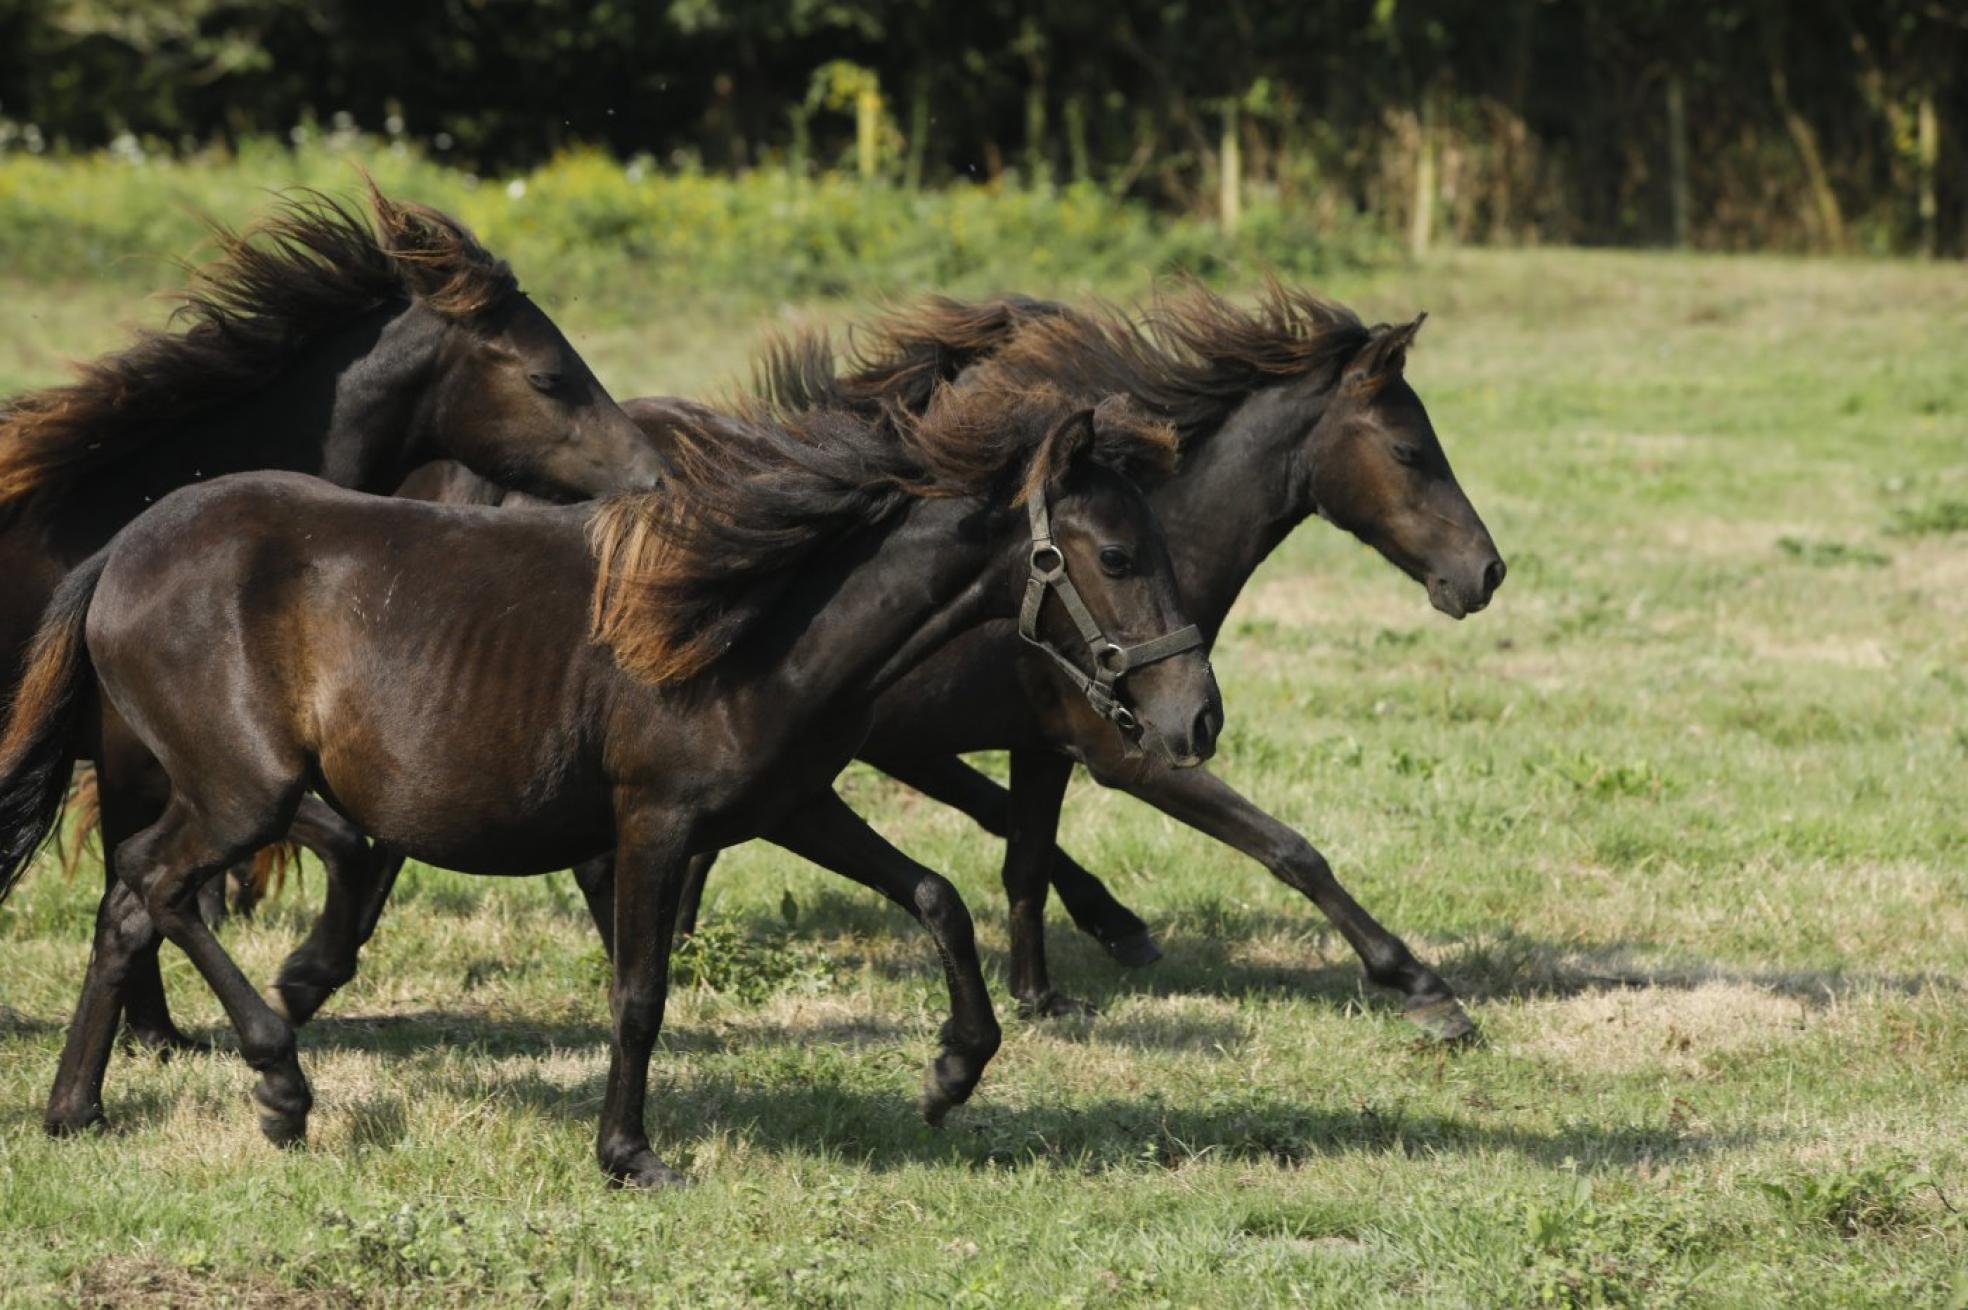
{"type": "Point", "coordinates": [586, 224]}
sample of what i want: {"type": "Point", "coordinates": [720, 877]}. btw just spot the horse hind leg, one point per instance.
{"type": "Point", "coordinates": [360, 877]}
{"type": "Point", "coordinates": [131, 789]}
{"type": "Point", "coordinates": [166, 864]}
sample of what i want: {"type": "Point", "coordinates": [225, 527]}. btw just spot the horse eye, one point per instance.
{"type": "Point", "coordinates": [1115, 561]}
{"type": "Point", "coordinates": [1406, 454]}
{"type": "Point", "coordinates": [545, 381]}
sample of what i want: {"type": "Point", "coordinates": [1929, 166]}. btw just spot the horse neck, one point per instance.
{"type": "Point", "coordinates": [347, 408]}
{"type": "Point", "coordinates": [883, 603]}
{"type": "Point", "coordinates": [1239, 494]}
{"type": "Point", "coordinates": [383, 400]}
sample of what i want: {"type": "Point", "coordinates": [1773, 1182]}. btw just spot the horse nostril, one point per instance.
{"type": "Point", "coordinates": [1492, 576]}
{"type": "Point", "coordinates": [1202, 732]}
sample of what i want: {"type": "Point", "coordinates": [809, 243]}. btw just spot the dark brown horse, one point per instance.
{"type": "Point", "coordinates": [670, 672]}
{"type": "Point", "coordinates": [1288, 410]}
{"type": "Point", "coordinates": [1292, 409]}
{"type": "Point", "coordinates": [321, 343]}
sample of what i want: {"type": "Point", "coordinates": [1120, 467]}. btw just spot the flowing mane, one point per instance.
{"type": "Point", "coordinates": [1190, 357]}
{"type": "Point", "coordinates": [304, 269]}
{"type": "Point", "coordinates": [684, 572]}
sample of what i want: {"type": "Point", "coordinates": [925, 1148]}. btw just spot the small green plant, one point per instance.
{"type": "Point", "coordinates": [1938, 519]}
{"type": "Point", "coordinates": [1856, 1202]}
{"type": "Point", "coordinates": [1588, 1250]}
{"type": "Point", "coordinates": [723, 958]}
{"type": "Point", "coordinates": [1831, 554]}
{"type": "Point", "coordinates": [1600, 778]}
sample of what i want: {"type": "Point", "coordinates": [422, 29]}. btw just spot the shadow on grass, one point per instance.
{"type": "Point", "coordinates": [815, 1110]}
{"type": "Point", "coordinates": [15, 1024]}
{"type": "Point", "coordinates": [1205, 954]}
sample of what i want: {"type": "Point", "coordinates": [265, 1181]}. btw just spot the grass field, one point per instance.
{"type": "Point", "coordinates": [1681, 814]}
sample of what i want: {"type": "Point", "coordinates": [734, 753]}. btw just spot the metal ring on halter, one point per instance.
{"type": "Point", "coordinates": [1111, 657]}
{"type": "Point", "coordinates": [1045, 551]}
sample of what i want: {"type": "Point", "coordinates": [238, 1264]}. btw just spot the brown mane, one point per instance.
{"type": "Point", "coordinates": [684, 572]}
{"type": "Point", "coordinates": [1190, 357]}
{"type": "Point", "coordinates": [307, 267]}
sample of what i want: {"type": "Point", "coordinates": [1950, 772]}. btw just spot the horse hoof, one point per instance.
{"type": "Point", "coordinates": [1444, 1020]}
{"type": "Point", "coordinates": [64, 1123]}
{"type": "Point", "coordinates": [934, 1104]}
{"type": "Point", "coordinates": [947, 1083]}
{"type": "Point", "coordinates": [1134, 951]}
{"type": "Point", "coordinates": [284, 1126]}
{"type": "Point", "coordinates": [1055, 1005]}
{"type": "Point", "coordinates": [644, 1170]}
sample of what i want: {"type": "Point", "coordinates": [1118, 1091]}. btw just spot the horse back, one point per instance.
{"type": "Point", "coordinates": [381, 651]}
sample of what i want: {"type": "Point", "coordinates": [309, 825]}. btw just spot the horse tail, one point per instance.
{"type": "Point", "coordinates": [267, 875]}
{"type": "Point", "coordinates": [37, 746]}
{"type": "Point", "coordinates": [81, 816]}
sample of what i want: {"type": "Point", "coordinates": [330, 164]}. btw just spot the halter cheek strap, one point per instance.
{"type": "Point", "coordinates": [1110, 660]}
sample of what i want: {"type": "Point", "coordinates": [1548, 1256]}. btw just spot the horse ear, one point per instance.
{"type": "Point", "coordinates": [1071, 440]}
{"type": "Point", "coordinates": [1384, 355]}
{"type": "Point", "coordinates": [442, 264]}
{"type": "Point", "coordinates": [1134, 442]}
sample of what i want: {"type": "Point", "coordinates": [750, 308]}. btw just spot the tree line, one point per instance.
{"type": "Point", "coordinates": [1832, 125]}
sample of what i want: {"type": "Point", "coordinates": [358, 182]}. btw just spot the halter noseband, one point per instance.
{"type": "Point", "coordinates": [1110, 659]}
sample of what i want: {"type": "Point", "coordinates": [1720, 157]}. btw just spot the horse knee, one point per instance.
{"type": "Point", "coordinates": [267, 1041]}
{"type": "Point", "coordinates": [124, 930]}
{"type": "Point", "coordinates": [938, 904]}
{"type": "Point", "coordinates": [1300, 864]}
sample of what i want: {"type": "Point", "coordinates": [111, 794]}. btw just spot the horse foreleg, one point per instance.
{"type": "Point", "coordinates": [1094, 908]}
{"type": "Point", "coordinates": [830, 834]}
{"type": "Point", "coordinates": [1038, 785]}
{"type": "Point", "coordinates": [694, 878]}
{"type": "Point", "coordinates": [649, 862]}
{"type": "Point", "coordinates": [1210, 805]}
{"type": "Point", "coordinates": [596, 879]}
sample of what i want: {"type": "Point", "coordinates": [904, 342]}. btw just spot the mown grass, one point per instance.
{"type": "Point", "coordinates": [1680, 815]}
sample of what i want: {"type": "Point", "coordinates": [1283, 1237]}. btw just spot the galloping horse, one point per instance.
{"type": "Point", "coordinates": [317, 343]}
{"type": "Point", "coordinates": [508, 691]}
{"type": "Point", "coordinates": [1291, 409]}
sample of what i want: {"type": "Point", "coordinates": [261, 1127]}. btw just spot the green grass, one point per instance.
{"type": "Point", "coordinates": [570, 225]}
{"type": "Point", "coordinates": [1680, 814]}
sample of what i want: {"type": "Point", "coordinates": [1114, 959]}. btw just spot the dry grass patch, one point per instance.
{"type": "Point", "coordinates": [121, 1281]}
{"type": "Point", "coordinates": [1673, 1030]}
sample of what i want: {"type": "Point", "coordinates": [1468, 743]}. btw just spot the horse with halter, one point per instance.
{"type": "Point", "coordinates": [1285, 411]}
{"type": "Point", "coordinates": [509, 691]}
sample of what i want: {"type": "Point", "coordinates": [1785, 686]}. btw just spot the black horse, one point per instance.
{"type": "Point", "coordinates": [316, 342]}
{"type": "Point", "coordinates": [1292, 409]}
{"type": "Point", "coordinates": [1286, 411]}
{"type": "Point", "coordinates": [510, 691]}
